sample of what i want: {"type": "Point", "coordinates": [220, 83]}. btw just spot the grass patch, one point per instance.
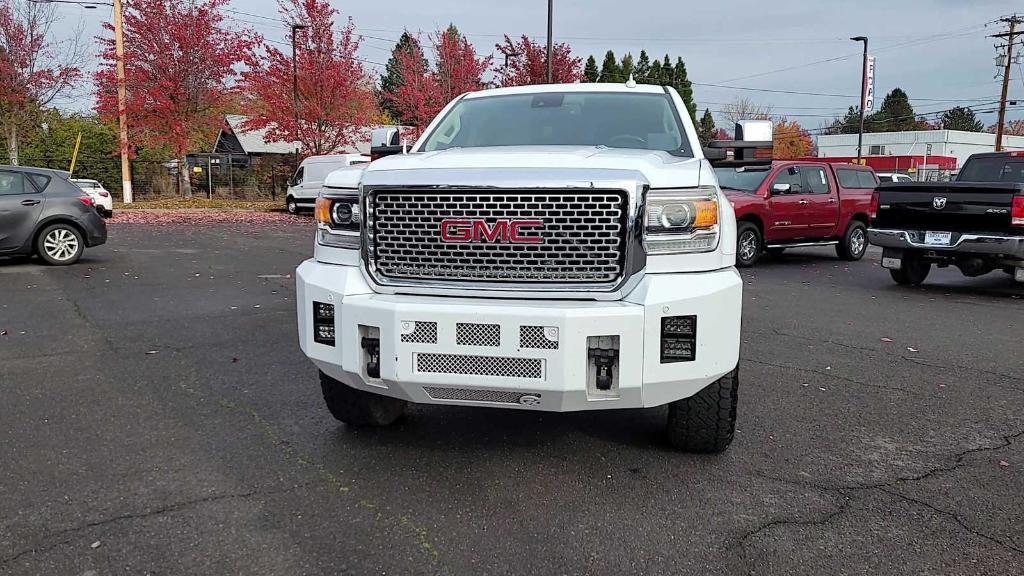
{"type": "Point", "coordinates": [194, 203]}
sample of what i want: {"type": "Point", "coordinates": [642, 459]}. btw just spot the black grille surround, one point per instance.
{"type": "Point", "coordinates": [584, 236]}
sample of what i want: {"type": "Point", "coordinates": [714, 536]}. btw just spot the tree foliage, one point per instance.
{"type": "Point", "coordinates": [180, 64]}
{"type": "Point", "coordinates": [33, 68]}
{"type": "Point", "coordinates": [706, 128]}
{"type": "Point", "coordinates": [425, 91]}
{"type": "Point", "coordinates": [392, 77]}
{"type": "Point", "coordinates": [335, 93]}
{"type": "Point", "coordinates": [590, 71]}
{"type": "Point", "coordinates": [960, 118]}
{"type": "Point", "coordinates": [610, 70]}
{"type": "Point", "coordinates": [791, 140]}
{"type": "Point", "coordinates": [895, 115]}
{"type": "Point", "coordinates": [528, 60]}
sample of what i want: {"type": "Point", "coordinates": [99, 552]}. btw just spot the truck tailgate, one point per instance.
{"type": "Point", "coordinates": [946, 206]}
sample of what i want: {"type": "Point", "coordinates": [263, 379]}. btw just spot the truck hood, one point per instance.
{"type": "Point", "coordinates": [661, 169]}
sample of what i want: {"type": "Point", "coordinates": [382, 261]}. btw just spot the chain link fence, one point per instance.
{"type": "Point", "coordinates": [214, 176]}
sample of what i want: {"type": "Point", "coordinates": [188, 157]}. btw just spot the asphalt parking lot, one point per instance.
{"type": "Point", "coordinates": [157, 417]}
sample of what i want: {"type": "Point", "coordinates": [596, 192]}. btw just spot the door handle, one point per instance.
{"type": "Point", "coordinates": [803, 202]}
{"type": "Point", "coordinates": [831, 200]}
{"type": "Point", "coordinates": [29, 202]}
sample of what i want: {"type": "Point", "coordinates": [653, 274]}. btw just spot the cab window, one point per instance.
{"type": "Point", "coordinates": [791, 176]}
{"type": "Point", "coordinates": [817, 180]}
{"type": "Point", "coordinates": [297, 178]}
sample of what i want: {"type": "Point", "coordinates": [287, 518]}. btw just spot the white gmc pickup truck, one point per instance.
{"type": "Point", "coordinates": [557, 247]}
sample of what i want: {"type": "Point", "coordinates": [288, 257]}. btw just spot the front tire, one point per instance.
{"type": "Point", "coordinates": [705, 423]}
{"type": "Point", "coordinates": [60, 245]}
{"type": "Point", "coordinates": [912, 272]}
{"type": "Point", "coordinates": [291, 206]}
{"type": "Point", "coordinates": [749, 245]}
{"type": "Point", "coordinates": [358, 408]}
{"type": "Point", "coordinates": [854, 243]}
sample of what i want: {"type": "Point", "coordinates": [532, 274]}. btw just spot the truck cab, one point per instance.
{"type": "Point", "coordinates": [555, 248]}
{"type": "Point", "coordinates": [796, 204]}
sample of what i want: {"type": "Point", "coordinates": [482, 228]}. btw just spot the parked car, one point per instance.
{"type": "Point", "coordinates": [975, 223]}
{"type": "Point", "coordinates": [42, 213]}
{"type": "Point", "coordinates": [893, 177]}
{"type": "Point", "coordinates": [102, 199]}
{"type": "Point", "coordinates": [308, 180]}
{"type": "Point", "coordinates": [556, 247]}
{"type": "Point", "coordinates": [797, 204]}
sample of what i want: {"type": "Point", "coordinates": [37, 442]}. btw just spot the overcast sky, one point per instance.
{"type": "Point", "coordinates": [934, 49]}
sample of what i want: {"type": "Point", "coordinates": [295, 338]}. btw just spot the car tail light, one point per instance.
{"type": "Point", "coordinates": [873, 210]}
{"type": "Point", "coordinates": [86, 200]}
{"type": "Point", "coordinates": [1017, 212]}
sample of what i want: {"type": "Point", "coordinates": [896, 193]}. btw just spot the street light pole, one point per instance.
{"type": "Point", "coordinates": [551, 7]}
{"type": "Point", "coordinates": [295, 86]}
{"type": "Point", "coordinates": [863, 96]}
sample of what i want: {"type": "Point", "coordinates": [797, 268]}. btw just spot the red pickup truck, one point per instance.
{"type": "Point", "coordinates": [796, 204]}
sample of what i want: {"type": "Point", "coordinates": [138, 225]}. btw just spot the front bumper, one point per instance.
{"type": "Point", "coordinates": [507, 370]}
{"type": "Point", "coordinates": [1007, 246]}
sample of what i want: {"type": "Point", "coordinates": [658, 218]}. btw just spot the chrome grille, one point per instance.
{"type": "Point", "coordinates": [422, 333]}
{"type": "Point", "coordinates": [584, 236]}
{"type": "Point", "coordinates": [534, 337]}
{"type": "Point", "coordinates": [526, 368]}
{"type": "Point", "coordinates": [467, 395]}
{"type": "Point", "coordinates": [477, 334]}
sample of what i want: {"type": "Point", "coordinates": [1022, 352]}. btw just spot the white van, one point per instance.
{"type": "Point", "coordinates": [305, 185]}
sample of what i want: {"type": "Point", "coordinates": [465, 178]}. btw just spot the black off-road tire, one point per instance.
{"type": "Point", "coordinates": [705, 422]}
{"type": "Point", "coordinates": [854, 243]}
{"type": "Point", "coordinates": [749, 244]}
{"type": "Point", "coordinates": [291, 205]}
{"type": "Point", "coordinates": [912, 272]}
{"type": "Point", "coordinates": [359, 408]}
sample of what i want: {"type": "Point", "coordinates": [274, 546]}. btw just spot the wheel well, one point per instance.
{"type": "Point", "coordinates": [58, 220]}
{"type": "Point", "coordinates": [862, 218]}
{"type": "Point", "coordinates": [753, 220]}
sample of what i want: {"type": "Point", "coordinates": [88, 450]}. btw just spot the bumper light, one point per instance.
{"type": "Point", "coordinates": [678, 339]}
{"type": "Point", "coordinates": [323, 323]}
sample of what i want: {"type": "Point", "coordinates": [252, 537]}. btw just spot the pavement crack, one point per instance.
{"type": "Point", "coordinates": [827, 374]}
{"type": "Point", "coordinates": [70, 533]}
{"type": "Point", "coordinates": [956, 518]}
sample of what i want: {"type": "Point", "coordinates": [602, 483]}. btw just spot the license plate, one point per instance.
{"type": "Point", "coordinates": [892, 263]}
{"type": "Point", "coordinates": [938, 238]}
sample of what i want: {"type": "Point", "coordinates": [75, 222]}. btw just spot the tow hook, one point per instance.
{"type": "Point", "coordinates": [372, 347]}
{"type": "Point", "coordinates": [604, 360]}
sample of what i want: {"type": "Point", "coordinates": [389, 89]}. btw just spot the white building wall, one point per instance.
{"type": "Point", "coordinates": [944, 143]}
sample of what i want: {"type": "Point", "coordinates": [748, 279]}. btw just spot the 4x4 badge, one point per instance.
{"type": "Point", "coordinates": [939, 202]}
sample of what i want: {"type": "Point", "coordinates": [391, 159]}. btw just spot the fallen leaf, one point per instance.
{"type": "Point", "coordinates": [153, 352]}
{"type": "Point", "coordinates": [1004, 463]}
{"type": "Point", "coordinates": [886, 339]}
{"type": "Point", "coordinates": [909, 349]}
{"type": "Point", "coordinates": [95, 545]}
{"type": "Point", "coordinates": [3, 332]}
{"type": "Point", "coordinates": [234, 360]}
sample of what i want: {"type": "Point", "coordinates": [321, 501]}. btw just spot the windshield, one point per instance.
{"type": "Point", "coordinates": [616, 120]}
{"type": "Point", "coordinates": [994, 169]}
{"type": "Point", "coordinates": [742, 180]}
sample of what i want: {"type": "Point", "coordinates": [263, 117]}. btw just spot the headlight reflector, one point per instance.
{"type": "Point", "coordinates": [682, 221]}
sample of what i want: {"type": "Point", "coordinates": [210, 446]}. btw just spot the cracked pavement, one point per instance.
{"type": "Point", "coordinates": [158, 417]}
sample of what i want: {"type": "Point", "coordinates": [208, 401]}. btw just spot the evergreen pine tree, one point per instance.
{"type": "Point", "coordinates": [610, 71]}
{"type": "Point", "coordinates": [392, 78]}
{"type": "Point", "coordinates": [683, 85]}
{"type": "Point", "coordinates": [654, 76]}
{"type": "Point", "coordinates": [626, 68]}
{"type": "Point", "coordinates": [667, 72]}
{"type": "Point", "coordinates": [960, 118]}
{"type": "Point", "coordinates": [706, 128]}
{"type": "Point", "coordinates": [642, 68]}
{"type": "Point", "coordinates": [590, 71]}
{"type": "Point", "coordinates": [895, 115]}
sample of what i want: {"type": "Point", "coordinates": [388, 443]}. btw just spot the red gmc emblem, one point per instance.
{"type": "Point", "coordinates": [508, 231]}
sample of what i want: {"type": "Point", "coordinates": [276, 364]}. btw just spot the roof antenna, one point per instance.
{"type": "Point", "coordinates": [631, 83]}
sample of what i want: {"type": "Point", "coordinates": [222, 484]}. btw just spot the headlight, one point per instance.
{"type": "Point", "coordinates": [338, 218]}
{"type": "Point", "coordinates": [682, 221]}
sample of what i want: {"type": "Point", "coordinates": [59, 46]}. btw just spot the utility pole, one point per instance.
{"type": "Point", "coordinates": [551, 7]}
{"type": "Point", "coordinates": [863, 96]}
{"type": "Point", "coordinates": [122, 107]}
{"type": "Point", "coordinates": [1010, 36]}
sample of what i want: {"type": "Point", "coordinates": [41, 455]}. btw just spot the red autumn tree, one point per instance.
{"type": "Point", "coordinates": [721, 134]}
{"type": "Point", "coordinates": [336, 102]}
{"type": "Point", "coordinates": [33, 68]}
{"type": "Point", "coordinates": [791, 140]}
{"type": "Point", "coordinates": [424, 92]}
{"type": "Point", "coordinates": [527, 63]}
{"type": "Point", "coordinates": [1012, 128]}
{"type": "Point", "coordinates": [180, 65]}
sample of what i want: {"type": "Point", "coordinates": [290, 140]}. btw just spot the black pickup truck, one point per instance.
{"type": "Point", "coordinates": [975, 223]}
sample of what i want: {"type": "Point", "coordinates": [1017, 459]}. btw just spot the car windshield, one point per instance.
{"type": "Point", "coordinates": [993, 169]}
{"type": "Point", "coordinates": [615, 120]}
{"type": "Point", "coordinates": [740, 179]}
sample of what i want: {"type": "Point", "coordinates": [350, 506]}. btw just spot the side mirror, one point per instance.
{"type": "Point", "coordinates": [385, 142]}
{"type": "Point", "coordinates": [753, 145]}
{"type": "Point", "coordinates": [781, 188]}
